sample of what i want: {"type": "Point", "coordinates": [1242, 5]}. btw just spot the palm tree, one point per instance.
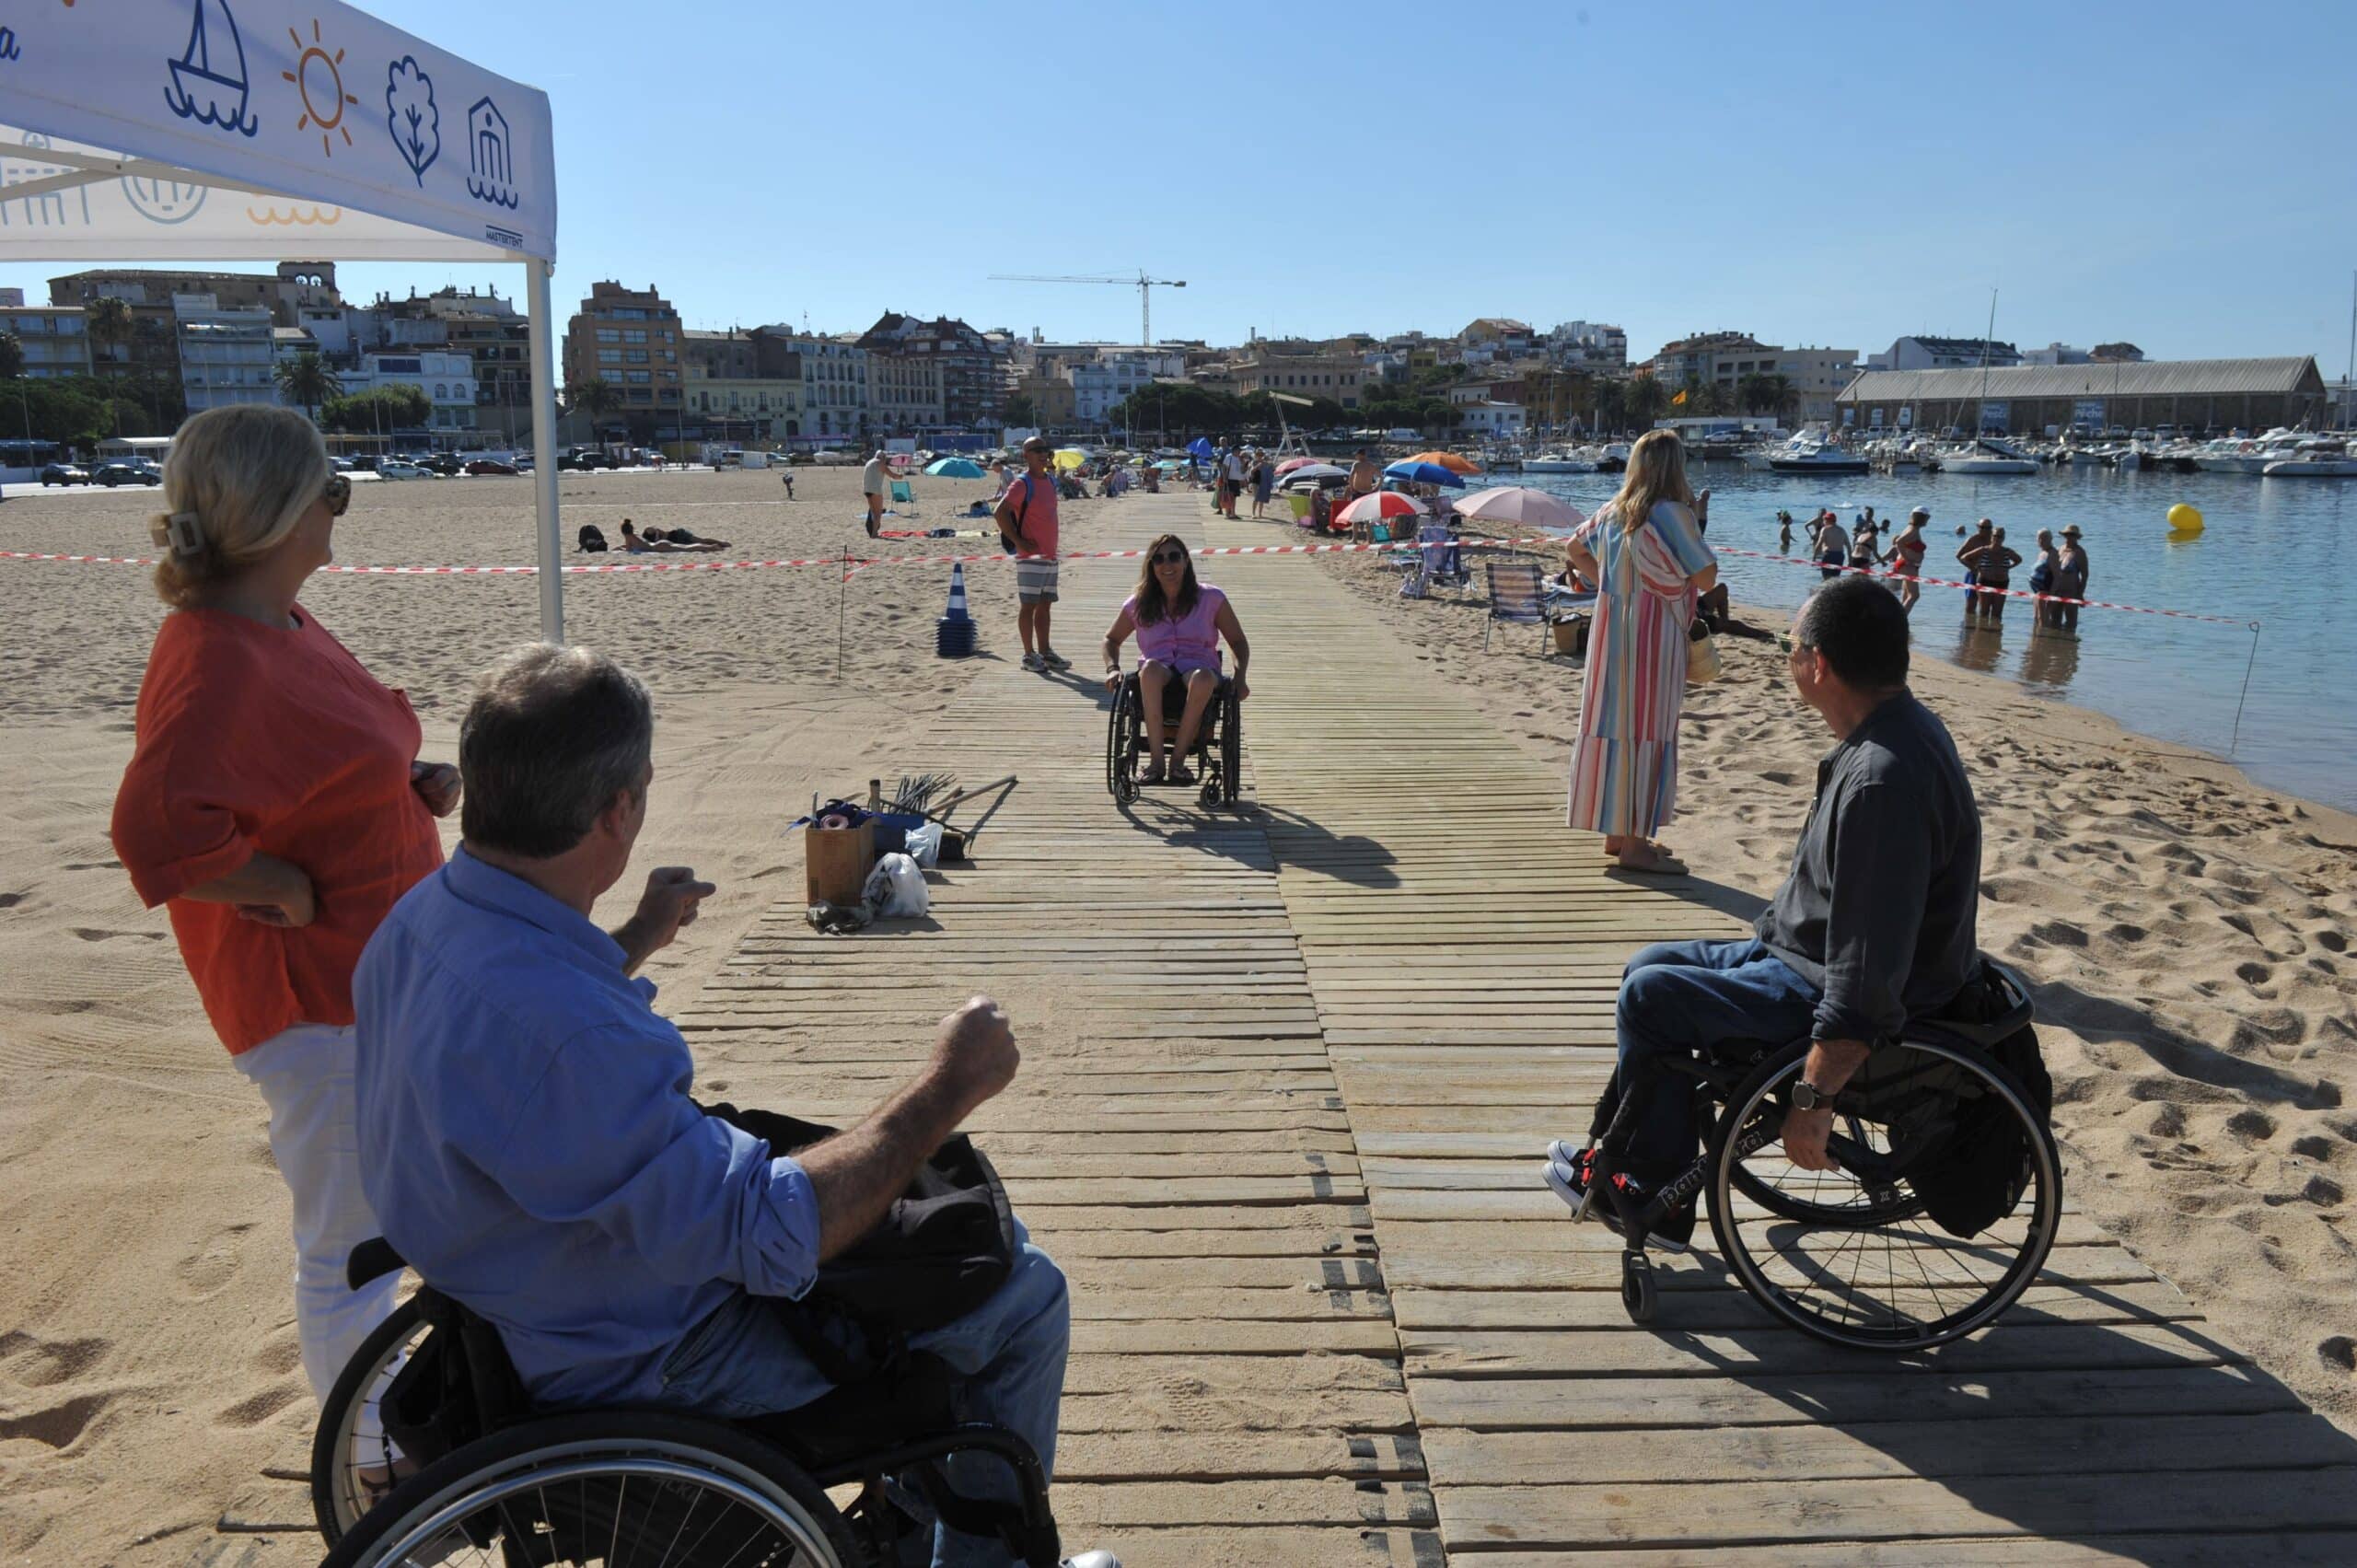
{"type": "Point", "coordinates": [1645, 398]}
{"type": "Point", "coordinates": [12, 356]}
{"type": "Point", "coordinates": [595, 396]}
{"type": "Point", "coordinates": [305, 380]}
{"type": "Point", "coordinates": [1777, 395]}
{"type": "Point", "coordinates": [1611, 404]}
{"type": "Point", "coordinates": [1751, 394]}
{"type": "Point", "coordinates": [109, 324]}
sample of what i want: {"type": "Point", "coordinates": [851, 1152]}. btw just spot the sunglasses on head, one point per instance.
{"type": "Point", "coordinates": [338, 493]}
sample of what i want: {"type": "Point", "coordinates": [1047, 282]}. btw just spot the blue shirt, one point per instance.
{"type": "Point", "coordinates": [527, 1141]}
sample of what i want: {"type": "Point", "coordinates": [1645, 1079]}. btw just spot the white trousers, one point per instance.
{"type": "Point", "coordinates": [305, 1074]}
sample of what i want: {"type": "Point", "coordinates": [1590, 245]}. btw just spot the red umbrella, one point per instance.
{"type": "Point", "coordinates": [1382, 504]}
{"type": "Point", "coordinates": [1292, 463]}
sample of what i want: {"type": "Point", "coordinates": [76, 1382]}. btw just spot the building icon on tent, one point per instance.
{"type": "Point", "coordinates": [491, 167]}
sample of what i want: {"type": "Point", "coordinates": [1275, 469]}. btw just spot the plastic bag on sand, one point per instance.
{"type": "Point", "coordinates": [896, 888]}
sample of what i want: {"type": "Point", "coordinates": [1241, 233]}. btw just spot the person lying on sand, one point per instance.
{"type": "Point", "coordinates": [654, 542]}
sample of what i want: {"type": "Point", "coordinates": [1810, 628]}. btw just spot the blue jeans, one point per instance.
{"type": "Point", "coordinates": [1688, 999]}
{"type": "Point", "coordinates": [741, 1362]}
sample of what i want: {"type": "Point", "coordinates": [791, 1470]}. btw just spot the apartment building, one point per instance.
{"type": "Point", "coordinates": [630, 339]}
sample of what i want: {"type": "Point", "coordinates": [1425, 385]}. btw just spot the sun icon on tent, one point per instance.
{"type": "Point", "coordinates": [327, 82]}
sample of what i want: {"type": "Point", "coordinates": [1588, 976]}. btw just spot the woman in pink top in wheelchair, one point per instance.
{"type": "Point", "coordinates": [1179, 623]}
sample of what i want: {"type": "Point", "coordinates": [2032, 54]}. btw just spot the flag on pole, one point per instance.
{"type": "Point", "coordinates": [1680, 399]}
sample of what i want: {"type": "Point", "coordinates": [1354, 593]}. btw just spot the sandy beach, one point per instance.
{"type": "Point", "coordinates": [2187, 930]}
{"type": "Point", "coordinates": [147, 1357]}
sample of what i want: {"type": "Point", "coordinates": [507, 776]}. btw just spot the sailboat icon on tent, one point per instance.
{"type": "Point", "coordinates": [209, 78]}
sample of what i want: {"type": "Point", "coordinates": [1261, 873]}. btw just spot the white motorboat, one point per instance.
{"type": "Point", "coordinates": [1558, 462]}
{"type": "Point", "coordinates": [2248, 455]}
{"type": "Point", "coordinates": [1990, 454]}
{"type": "Point", "coordinates": [1813, 452]}
{"type": "Point", "coordinates": [2315, 462]}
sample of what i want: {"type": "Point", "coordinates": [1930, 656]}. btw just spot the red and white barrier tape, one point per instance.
{"type": "Point", "coordinates": [853, 564]}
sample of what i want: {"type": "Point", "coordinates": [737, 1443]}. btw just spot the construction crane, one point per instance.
{"type": "Point", "coordinates": [1142, 284]}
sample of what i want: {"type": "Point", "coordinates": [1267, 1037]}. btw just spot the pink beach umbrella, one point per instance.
{"type": "Point", "coordinates": [1518, 507]}
{"type": "Point", "coordinates": [1292, 463]}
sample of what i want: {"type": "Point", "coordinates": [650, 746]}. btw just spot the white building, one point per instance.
{"type": "Point", "coordinates": [1502, 420]}
{"type": "Point", "coordinates": [1924, 353]}
{"type": "Point", "coordinates": [834, 381]}
{"type": "Point", "coordinates": [1098, 385]}
{"type": "Point", "coordinates": [55, 338]}
{"type": "Point", "coordinates": [1587, 342]}
{"type": "Point", "coordinates": [445, 378]}
{"type": "Point", "coordinates": [227, 356]}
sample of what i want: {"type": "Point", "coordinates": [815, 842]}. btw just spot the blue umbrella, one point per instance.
{"type": "Point", "coordinates": [954, 467]}
{"type": "Point", "coordinates": [1202, 447]}
{"type": "Point", "coordinates": [1424, 473]}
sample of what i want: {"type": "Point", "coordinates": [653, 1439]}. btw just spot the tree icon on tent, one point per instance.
{"type": "Point", "coordinates": [410, 115]}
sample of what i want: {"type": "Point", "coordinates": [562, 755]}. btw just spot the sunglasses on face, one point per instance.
{"type": "Point", "coordinates": [1171, 558]}
{"type": "Point", "coordinates": [338, 493]}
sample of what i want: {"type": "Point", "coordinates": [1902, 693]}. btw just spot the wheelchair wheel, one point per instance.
{"type": "Point", "coordinates": [1850, 1257]}
{"type": "Point", "coordinates": [1231, 749]}
{"type": "Point", "coordinates": [1123, 733]}
{"type": "Point", "coordinates": [353, 1463]}
{"type": "Point", "coordinates": [623, 1486]}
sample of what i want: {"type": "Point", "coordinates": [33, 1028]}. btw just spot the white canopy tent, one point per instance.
{"type": "Point", "coordinates": [269, 130]}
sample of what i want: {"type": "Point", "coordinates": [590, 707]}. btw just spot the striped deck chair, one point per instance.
{"type": "Point", "coordinates": [1514, 596]}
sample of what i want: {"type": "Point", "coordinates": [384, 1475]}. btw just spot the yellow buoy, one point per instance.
{"type": "Point", "coordinates": [2185, 519]}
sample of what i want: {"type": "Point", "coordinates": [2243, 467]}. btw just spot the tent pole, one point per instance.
{"type": "Point", "coordinates": [536, 288]}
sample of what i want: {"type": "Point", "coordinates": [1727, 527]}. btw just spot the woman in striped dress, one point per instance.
{"type": "Point", "coordinates": [1645, 553]}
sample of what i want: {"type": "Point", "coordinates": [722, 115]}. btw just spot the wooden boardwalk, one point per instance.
{"type": "Point", "coordinates": [1287, 1074]}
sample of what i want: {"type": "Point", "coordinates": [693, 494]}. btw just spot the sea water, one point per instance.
{"type": "Point", "coordinates": [2277, 551]}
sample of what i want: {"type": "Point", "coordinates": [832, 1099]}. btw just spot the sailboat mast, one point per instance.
{"type": "Point", "coordinates": [2349, 381]}
{"type": "Point", "coordinates": [1981, 414]}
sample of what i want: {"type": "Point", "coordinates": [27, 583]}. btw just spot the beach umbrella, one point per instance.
{"type": "Point", "coordinates": [1201, 446]}
{"type": "Point", "coordinates": [1070, 458]}
{"type": "Point", "coordinates": [1382, 503]}
{"type": "Point", "coordinates": [1170, 465]}
{"type": "Point", "coordinates": [1410, 471]}
{"type": "Point", "coordinates": [1312, 473]}
{"type": "Point", "coordinates": [1518, 507]}
{"type": "Point", "coordinates": [1449, 461]}
{"type": "Point", "coordinates": [1292, 463]}
{"type": "Point", "coordinates": [954, 467]}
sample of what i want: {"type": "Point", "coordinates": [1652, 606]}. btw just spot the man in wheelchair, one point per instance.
{"type": "Point", "coordinates": [527, 1142]}
{"type": "Point", "coordinates": [1873, 924]}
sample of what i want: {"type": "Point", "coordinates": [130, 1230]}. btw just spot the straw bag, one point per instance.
{"type": "Point", "coordinates": [1702, 665]}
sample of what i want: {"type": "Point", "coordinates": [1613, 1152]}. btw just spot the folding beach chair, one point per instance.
{"type": "Point", "coordinates": [904, 495]}
{"type": "Point", "coordinates": [1514, 596]}
{"type": "Point", "coordinates": [1438, 561]}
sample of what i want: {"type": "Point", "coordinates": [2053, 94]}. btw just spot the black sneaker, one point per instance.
{"type": "Point", "coordinates": [1567, 1175]}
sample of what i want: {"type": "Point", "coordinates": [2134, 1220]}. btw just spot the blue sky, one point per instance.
{"type": "Point", "coordinates": [2173, 174]}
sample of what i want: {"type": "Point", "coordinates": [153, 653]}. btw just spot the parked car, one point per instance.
{"type": "Point", "coordinates": [112, 474]}
{"type": "Point", "coordinates": [439, 462]}
{"type": "Point", "coordinates": [584, 459]}
{"type": "Point", "coordinates": [482, 466]}
{"type": "Point", "coordinates": [339, 465]}
{"type": "Point", "coordinates": [392, 467]}
{"type": "Point", "coordinates": [64, 473]}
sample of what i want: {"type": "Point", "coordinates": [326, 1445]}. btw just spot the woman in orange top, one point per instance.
{"type": "Point", "coordinates": [274, 803]}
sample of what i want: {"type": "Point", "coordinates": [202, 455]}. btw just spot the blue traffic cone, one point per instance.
{"type": "Point", "coordinates": [952, 634]}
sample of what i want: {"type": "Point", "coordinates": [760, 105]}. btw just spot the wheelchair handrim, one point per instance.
{"type": "Point", "coordinates": [2044, 1220]}
{"type": "Point", "coordinates": [526, 1472]}
{"type": "Point", "coordinates": [344, 1464]}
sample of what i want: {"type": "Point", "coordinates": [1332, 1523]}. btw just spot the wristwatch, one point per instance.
{"type": "Point", "coordinates": [1809, 1096]}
